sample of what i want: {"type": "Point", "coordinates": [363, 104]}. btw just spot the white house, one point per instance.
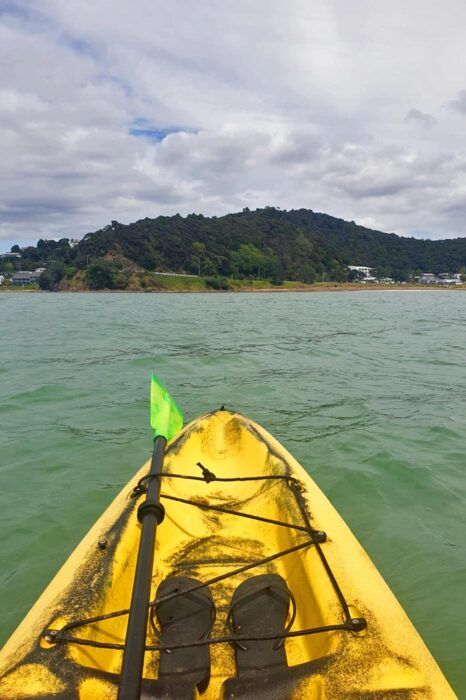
{"type": "Point", "coordinates": [442, 278]}
{"type": "Point", "coordinates": [428, 278]}
{"type": "Point", "coordinates": [448, 278]}
{"type": "Point", "coordinates": [364, 270]}
{"type": "Point", "coordinates": [10, 255]}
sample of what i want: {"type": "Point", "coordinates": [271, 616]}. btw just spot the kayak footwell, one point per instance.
{"type": "Point", "coordinates": [330, 577]}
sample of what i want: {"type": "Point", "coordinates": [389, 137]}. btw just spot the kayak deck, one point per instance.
{"type": "Point", "coordinates": [331, 578]}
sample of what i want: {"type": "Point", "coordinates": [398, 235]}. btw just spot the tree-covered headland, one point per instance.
{"type": "Point", "coordinates": [268, 244]}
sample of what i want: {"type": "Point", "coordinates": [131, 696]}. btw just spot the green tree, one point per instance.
{"type": "Point", "coordinates": [401, 275]}
{"type": "Point", "coordinates": [308, 273]}
{"type": "Point", "coordinates": [217, 283]}
{"type": "Point", "coordinates": [199, 256]}
{"type": "Point", "coordinates": [100, 275]}
{"type": "Point", "coordinates": [381, 271]}
{"type": "Point", "coordinates": [6, 265]}
{"type": "Point", "coordinates": [248, 261]}
{"type": "Point", "coordinates": [303, 246]}
{"type": "Point", "coordinates": [355, 276]}
{"type": "Point", "coordinates": [51, 278]}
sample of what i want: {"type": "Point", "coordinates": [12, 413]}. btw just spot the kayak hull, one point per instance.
{"type": "Point", "coordinates": [386, 659]}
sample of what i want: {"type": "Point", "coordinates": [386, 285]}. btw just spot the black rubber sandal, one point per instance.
{"type": "Point", "coordinates": [259, 607]}
{"type": "Point", "coordinates": [186, 618]}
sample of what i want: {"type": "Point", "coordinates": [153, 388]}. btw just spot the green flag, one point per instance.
{"type": "Point", "coordinates": [165, 417]}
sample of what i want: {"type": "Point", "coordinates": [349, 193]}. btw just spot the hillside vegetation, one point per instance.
{"type": "Point", "coordinates": [272, 244]}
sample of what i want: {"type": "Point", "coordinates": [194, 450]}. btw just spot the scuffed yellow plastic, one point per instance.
{"type": "Point", "coordinates": [388, 659]}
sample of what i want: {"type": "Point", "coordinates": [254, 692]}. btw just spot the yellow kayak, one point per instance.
{"type": "Point", "coordinates": [283, 604]}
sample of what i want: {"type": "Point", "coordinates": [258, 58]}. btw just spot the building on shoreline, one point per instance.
{"type": "Point", "coordinates": [442, 278]}
{"type": "Point", "coordinates": [10, 255]}
{"type": "Point", "coordinates": [24, 277]}
{"type": "Point", "coordinates": [364, 271]}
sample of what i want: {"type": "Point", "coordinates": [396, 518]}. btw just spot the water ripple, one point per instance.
{"type": "Point", "coordinates": [367, 390]}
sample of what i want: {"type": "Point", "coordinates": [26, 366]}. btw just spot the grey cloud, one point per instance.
{"type": "Point", "coordinates": [456, 201]}
{"type": "Point", "coordinates": [382, 190]}
{"type": "Point", "coordinates": [427, 120]}
{"type": "Point", "coordinates": [286, 105]}
{"type": "Point", "coordinates": [459, 103]}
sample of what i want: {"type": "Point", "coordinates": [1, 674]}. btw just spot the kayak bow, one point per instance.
{"type": "Point", "coordinates": [357, 640]}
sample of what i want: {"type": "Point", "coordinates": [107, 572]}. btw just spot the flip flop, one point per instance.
{"type": "Point", "coordinates": [187, 618]}
{"type": "Point", "coordinates": [259, 607]}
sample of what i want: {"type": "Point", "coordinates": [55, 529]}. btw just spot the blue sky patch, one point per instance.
{"type": "Point", "coordinates": [25, 15]}
{"type": "Point", "coordinates": [80, 46]}
{"type": "Point", "coordinates": [153, 133]}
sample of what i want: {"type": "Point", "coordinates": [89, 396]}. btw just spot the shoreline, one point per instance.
{"type": "Point", "coordinates": [337, 287]}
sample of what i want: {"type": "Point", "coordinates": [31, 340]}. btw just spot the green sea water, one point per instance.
{"type": "Point", "coordinates": [366, 389]}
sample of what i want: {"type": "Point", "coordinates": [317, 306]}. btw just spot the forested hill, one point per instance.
{"type": "Point", "coordinates": [294, 245]}
{"type": "Point", "coordinates": [300, 243]}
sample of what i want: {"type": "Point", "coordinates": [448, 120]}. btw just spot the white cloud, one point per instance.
{"type": "Point", "coordinates": [116, 110]}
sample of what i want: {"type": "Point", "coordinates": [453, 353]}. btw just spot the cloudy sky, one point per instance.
{"type": "Point", "coordinates": [119, 110]}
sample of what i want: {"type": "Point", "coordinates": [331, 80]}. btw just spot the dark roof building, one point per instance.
{"type": "Point", "coordinates": [25, 277]}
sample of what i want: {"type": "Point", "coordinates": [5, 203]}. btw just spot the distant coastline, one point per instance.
{"type": "Point", "coordinates": [266, 249]}
{"type": "Point", "coordinates": [245, 289]}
